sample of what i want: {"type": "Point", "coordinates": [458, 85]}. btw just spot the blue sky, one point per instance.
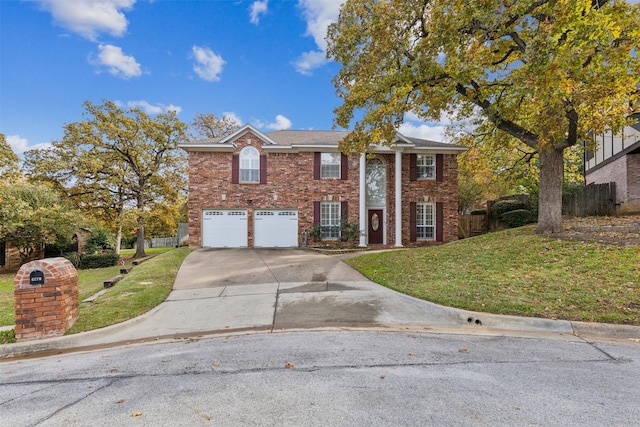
{"type": "Point", "coordinates": [260, 62]}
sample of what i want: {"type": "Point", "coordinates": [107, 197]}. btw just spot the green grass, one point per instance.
{"type": "Point", "coordinates": [146, 286]}
{"type": "Point", "coordinates": [519, 273]}
{"type": "Point", "coordinates": [128, 253]}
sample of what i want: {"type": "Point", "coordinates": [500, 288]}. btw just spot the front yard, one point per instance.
{"type": "Point", "coordinates": [590, 273]}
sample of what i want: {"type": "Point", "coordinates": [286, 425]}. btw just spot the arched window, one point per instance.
{"type": "Point", "coordinates": [249, 165]}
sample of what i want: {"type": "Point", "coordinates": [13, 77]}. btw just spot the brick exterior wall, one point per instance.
{"type": "Point", "coordinates": [625, 171]}
{"type": "Point", "coordinates": [633, 183]}
{"type": "Point", "coordinates": [49, 309]}
{"type": "Point", "coordinates": [290, 185]}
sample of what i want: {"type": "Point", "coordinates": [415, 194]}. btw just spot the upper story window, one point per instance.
{"type": "Point", "coordinates": [249, 165]}
{"type": "Point", "coordinates": [330, 165]}
{"type": "Point", "coordinates": [426, 166]}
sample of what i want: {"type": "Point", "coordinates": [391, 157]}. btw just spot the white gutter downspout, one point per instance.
{"type": "Point", "coordinates": [363, 200]}
{"type": "Point", "coordinates": [398, 219]}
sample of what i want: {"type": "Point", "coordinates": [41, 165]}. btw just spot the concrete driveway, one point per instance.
{"type": "Point", "coordinates": [236, 290]}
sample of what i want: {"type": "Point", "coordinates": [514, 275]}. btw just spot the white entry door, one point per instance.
{"type": "Point", "coordinates": [223, 228]}
{"type": "Point", "coordinates": [275, 228]}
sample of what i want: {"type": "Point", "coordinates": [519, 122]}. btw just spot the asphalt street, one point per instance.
{"type": "Point", "coordinates": [331, 378]}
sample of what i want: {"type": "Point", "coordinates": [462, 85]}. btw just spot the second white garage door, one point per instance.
{"type": "Point", "coordinates": [224, 228]}
{"type": "Point", "coordinates": [275, 228]}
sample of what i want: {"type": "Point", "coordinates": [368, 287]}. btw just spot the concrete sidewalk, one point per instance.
{"type": "Point", "coordinates": [225, 291]}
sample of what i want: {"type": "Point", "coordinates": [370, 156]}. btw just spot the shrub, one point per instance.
{"type": "Point", "coordinates": [100, 239]}
{"type": "Point", "coordinates": [107, 259]}
{"type": "Point", "coordinates": [516, 218]}
{"type": "Point", "coordinates": [500, 207]}
{"type": "Point", "coordinates": [349, 231]}
{"type": "Point", "coordinates": [479, 212]}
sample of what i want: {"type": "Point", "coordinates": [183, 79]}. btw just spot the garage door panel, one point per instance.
{"type": "Point", "coordinates": [224, 228]}
{"type": "Point", "coordinates": [275, 228]}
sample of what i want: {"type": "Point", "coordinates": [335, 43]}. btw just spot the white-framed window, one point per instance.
{"type": "Point", "coordinates": [249, 165]}
{"type": "Point", "coordinates": [330, 220]}
{"type": "Point", "coordinates": [425, 221]}
{"type": "Point", "coordinates": [426, 166]}
{"type": "Point", "coordinates": [330, 165]}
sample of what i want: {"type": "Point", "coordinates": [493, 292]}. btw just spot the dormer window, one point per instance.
{"type": "Point", "coordinates": [249, 165]}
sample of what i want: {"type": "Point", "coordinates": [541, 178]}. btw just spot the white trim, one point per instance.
{"type": "Point", "coordinates": [398, 218]}
{"type": "Point", "coordinates": [363, 200]}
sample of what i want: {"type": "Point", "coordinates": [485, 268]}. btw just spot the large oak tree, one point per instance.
{"type": "Point", "coordinates": [116, 159]}
{"type": "Point", "coordinates": [546, 72]}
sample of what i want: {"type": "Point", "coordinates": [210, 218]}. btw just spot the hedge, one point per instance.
{"type": "Point", "coordinates": [500, 207]}
{"type": "Point", "coordinates": [86, 261]}
{"type": "Point", "coordinates": [516, 218]}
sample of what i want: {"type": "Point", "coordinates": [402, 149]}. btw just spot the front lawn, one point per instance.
{"type": "Point", "coordinates": [144, 288]}
{"type": "Point", "coordinates": [519, 273]}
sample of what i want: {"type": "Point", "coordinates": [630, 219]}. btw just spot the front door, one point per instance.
{"type": "Point", "coordinates": [376, 235]}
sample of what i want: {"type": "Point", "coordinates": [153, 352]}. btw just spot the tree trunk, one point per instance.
{"type": "Point", "coordinates": [550, 191]}
{"type": "Point", "coordinates": [140, 237]}
{"type": "Point", "coordinates": [118, 236]}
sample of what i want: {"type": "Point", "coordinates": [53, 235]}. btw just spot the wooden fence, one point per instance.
{"type": "Point", "coordinates": [471, 225]}
{"type": "Point", "coordinates": [592, 200]}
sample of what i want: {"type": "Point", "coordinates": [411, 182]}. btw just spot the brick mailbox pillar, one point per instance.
{"type": "Point", "coordinates": [46, 298]}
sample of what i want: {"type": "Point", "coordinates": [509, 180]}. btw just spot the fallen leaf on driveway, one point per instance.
{"type": "Point", "coordinates": [137, 414]}
{"type": "Point", "coordinates": [463, 350]}
{"type": "Point", "coordinates": [288, 366]}
{"type": "Point", "coordinates": [120, 401]}
{"type": "Point", "coordinates": [412, 354]}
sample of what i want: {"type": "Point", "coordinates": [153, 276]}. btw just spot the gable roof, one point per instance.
{"type": "Point", "coordinates": [316, 140]}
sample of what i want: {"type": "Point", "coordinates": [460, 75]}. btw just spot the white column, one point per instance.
{"type": "Point", "coordinates": [363, 200]}
{"type": "Point", "coordinates": [398, 199]}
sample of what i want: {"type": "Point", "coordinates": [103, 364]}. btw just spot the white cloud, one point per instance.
{"type": "Point", "coordinates": [257, 9]}
{"type": "Point", "coordinates": [423, 131]}
{"type": "Point", "coordinates": [19, 145]}
{"type": "Point", "coordinates": [318, 14]}
{"type": "Point", "coordinates": [153, 109]}
{"type": "Point", "coordinates": [89, 17]}
{"type": "Point", "coordinates": [309, 61]}
{"type": "Point", "coordinates": [208, 65]}
{"type": "Point", "coordinates": [281, 123]}
{"type": "Point", "coordinates": [233, 117]}
{"type": "Point", "coordinates": [117, 63]}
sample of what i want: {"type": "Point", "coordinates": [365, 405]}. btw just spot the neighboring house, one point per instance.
{"type": "Point", "coordinates": [617, 159]}
{"type": "Point", "coordinates": [255, 189]}
{"type": "Point", "coordinates": [10, 260]}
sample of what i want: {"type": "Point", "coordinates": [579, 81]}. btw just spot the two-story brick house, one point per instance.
{"type": "Point", "coordinates": [255, 189]}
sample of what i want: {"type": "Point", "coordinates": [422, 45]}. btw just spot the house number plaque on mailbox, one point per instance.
{"type": "Point", "coordinates": [36, 277]}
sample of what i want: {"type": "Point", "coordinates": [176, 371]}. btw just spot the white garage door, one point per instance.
{"type": "Point", "coordinates": [224, 228]}
{"type": "Point", "coordinates": [275, 228]}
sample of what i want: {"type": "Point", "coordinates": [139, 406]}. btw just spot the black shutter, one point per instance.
{"type": "Point", "coordinates": [316, 213]}
{"type": "Point", "coordinates": [235, 168]}
{"type": "Point", "coordinates": [3, 252]}
{"type": "Point", "coordinates": [439, 167]}
{"type": "Point", "coordinates": [439, 222]}
{"type": "Point", "coordinates": [344, 210]}
{"type": "Point", "coordinates": [344, 167]}
{"type": "Point", "coordinates": [316, 165]}
{"type": "Point", "coordinates": [413, 230]}
{"type": "Point", "coordinates": [263, 169]}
